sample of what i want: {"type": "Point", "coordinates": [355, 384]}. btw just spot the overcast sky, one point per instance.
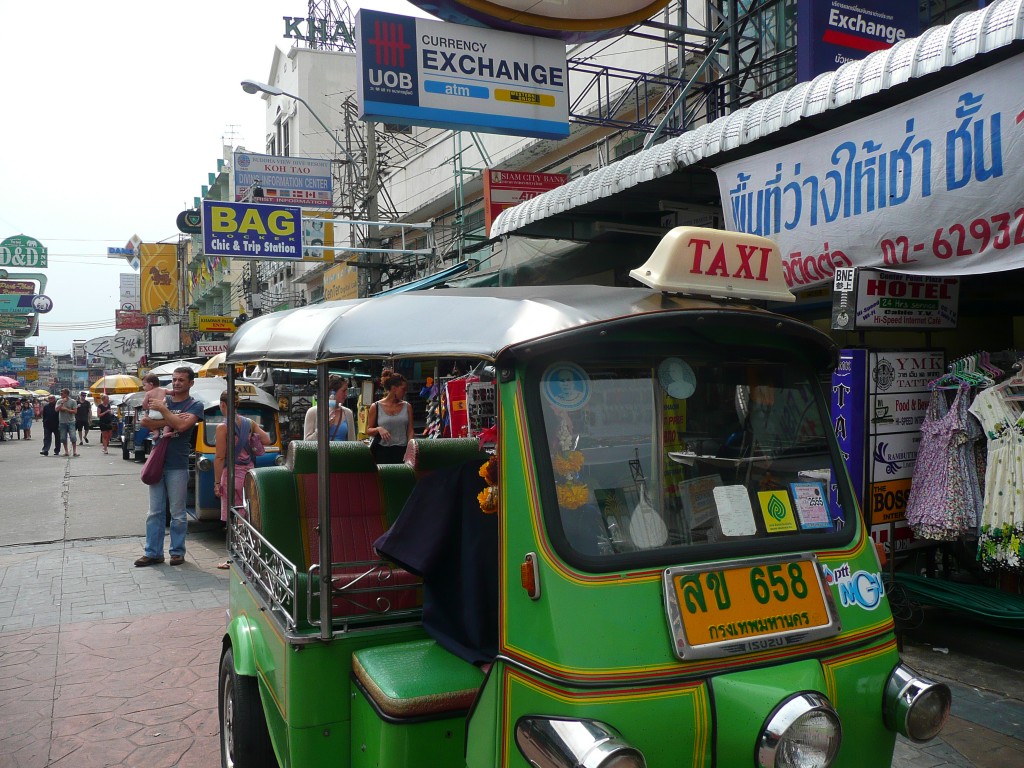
{"type": "Point", "coordinates": [114, 113]}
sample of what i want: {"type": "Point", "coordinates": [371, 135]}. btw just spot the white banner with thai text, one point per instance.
{"type": "Point", "coordinates": [931, 186]}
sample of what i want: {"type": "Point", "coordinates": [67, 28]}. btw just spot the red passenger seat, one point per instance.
{"type": "Point", "coordinates": [363, 584]}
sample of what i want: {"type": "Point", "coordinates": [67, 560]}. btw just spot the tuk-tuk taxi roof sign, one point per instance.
{"type": "Point", "coordinates": [708, 262]}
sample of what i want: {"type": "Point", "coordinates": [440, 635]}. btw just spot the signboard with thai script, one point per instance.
{"type": "Point", "coordinates": [834, 32]}
{"type": "Point", "coordinates": [251, 231]}
{"type": "Point", "coordinates": [421, 72]}
{"type": "Point", "coordinates": [129, 318]}
{"type": "Point", "coordinates": [23, 251]}
{"type": "Point", "coordinates": [930, 186]}
{"type": "Point", "coordinates": [506, 189]}
{"type": "Point", "coordinates": [16, 297]}
{"type": "Point", "coordinates": [278, 180]}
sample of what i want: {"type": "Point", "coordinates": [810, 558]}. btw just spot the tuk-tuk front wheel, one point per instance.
{"type": "Point", "coordinates": [244, 739]}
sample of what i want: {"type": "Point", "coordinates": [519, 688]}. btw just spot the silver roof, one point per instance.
{"type": "Point", "coordinates": [467, 322]}
{"type": "Point", "coordinates": [967, 36]}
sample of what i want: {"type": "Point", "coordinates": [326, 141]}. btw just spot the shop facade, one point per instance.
{"type": "Point", "coordinates": [893, 188]}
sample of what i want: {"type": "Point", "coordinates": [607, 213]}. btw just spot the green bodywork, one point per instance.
{"type": "Point", "coordinates": [592, 646]}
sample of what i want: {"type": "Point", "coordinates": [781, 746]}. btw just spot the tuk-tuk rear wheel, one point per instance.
{"type": "Point", "coordinates": [244, 739]}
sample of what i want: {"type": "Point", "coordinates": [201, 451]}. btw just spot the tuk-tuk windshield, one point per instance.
{"type": "Point", "coordinates": [262, 416]}
{"type": "Point", "coordinates": [685, 452]}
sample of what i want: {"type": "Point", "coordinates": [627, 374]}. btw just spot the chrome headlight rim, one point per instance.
{"type": "Point", "coordinates": [558, 742]}
{"type": "Point", "coordinates": [204, 464]}
{"type": "Point", "coordinates": [785, 716]}
{"type": "Point", "coordinates": [906, 693]}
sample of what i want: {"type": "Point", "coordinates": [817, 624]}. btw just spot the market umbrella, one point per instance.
{"type": "Point", "coordinates": [40, 391]}
{"type": "Point", "coordinates": [166, 369]}
{"type": "Point", "coordinates": [7, 381]}
{"type": "Point", "coordinates": [213, 367]}
{"type": "Point", "coordinates": [115, 384]}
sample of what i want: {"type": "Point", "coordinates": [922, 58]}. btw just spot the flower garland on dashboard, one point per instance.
{"type": "Point", "coordinates": [567, 464]}
{"type": "Point", "coordinates": [488, 498]}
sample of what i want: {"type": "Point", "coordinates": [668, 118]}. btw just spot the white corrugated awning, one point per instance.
{"type": "Point", "coordinates": [966, 37]}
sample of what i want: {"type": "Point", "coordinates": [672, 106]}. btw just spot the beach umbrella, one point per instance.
{"type": "Point", "coordinates": [213, 367]}
{"type": "Point", "coordinates": [7, 381]}
{"type": "Point", "coordinates": [40, 391]}
{"type": "Point", "coordinates": [115, 384]}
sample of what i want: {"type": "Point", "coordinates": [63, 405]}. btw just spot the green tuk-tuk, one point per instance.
{"type": "Point", "coordinates": [648, 552]}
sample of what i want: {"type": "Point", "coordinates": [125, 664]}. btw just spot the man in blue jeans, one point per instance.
{"type": "Point", "coordinates": [181, 413]}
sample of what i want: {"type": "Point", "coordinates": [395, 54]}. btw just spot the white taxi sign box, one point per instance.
{"type": "Point", "coordinates": [697, 261]}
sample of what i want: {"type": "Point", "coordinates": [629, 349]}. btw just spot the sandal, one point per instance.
{"type": "Point", "coordinates": [223, 566]}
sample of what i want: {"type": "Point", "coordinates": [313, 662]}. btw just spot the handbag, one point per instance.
{"type": "Point", "coordinates": [153, 469]}
{"type": "Point", "coordinates": [256, 447]}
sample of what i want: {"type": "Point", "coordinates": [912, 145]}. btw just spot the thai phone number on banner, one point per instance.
{"type": "Point", "coordinates": [1000, 231]}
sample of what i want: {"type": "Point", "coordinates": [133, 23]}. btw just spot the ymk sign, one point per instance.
{"type": "Point", "coordinates": [389, 71]}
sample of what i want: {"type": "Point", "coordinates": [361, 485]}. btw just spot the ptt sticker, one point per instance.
{"type": "Point", "coordinates": [776, 511]}
{"type": "Point", "coordinates": [566, 386]}
{"type": "Point", "coordinates": [811, 505]}
{"type": "Point", "coordinates": [860, 588]}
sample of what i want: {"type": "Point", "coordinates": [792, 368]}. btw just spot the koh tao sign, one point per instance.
{"type": "Point", "coordinates": [251, 231]}
{"type": "Point", "coordinates": [420, 72]}
{"type": "Point", "coordinates": [930, 186]}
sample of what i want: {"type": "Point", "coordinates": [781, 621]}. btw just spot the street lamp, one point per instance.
{"type": "Point", "coordinates": [253, 86]}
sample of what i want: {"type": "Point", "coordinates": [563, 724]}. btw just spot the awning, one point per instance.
{"type": "Point", "coordinates": [677, 172]}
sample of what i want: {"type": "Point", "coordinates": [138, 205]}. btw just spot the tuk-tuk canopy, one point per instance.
{"type": "Point", "coordinates": [467, 322]}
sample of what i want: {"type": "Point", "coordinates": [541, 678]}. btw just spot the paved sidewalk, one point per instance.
{"type": "Point", "coordinates": [105, 664]}
{"type": "Point", "coordinates": [128, 676]}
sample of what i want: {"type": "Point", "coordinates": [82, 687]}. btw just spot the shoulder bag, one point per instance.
{"type": "Point", "coordinates": [256, 447]}
{"type": "Point", "coordinates": [153, 469]}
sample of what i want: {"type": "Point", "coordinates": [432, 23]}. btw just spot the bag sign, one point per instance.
{"type": "Point", "coordinates": [252, 231]}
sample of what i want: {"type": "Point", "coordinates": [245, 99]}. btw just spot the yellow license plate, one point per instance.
{"type": "Point", "coordinates": [734, 609]}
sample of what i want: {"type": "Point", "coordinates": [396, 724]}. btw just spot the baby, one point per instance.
{"type": "Point", "coordinates": [154, 394]}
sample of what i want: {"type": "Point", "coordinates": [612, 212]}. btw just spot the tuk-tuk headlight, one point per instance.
{"type": "Point", "coordinates": [552, 743]}
{"type": "Point", "coordinates": [204, 464]}
{"type": "Point", "coordinates": [279, 459]}
{"type": "Point", "coordinates": [914, 706]}
{"type": "Point", "coordinates": [803, 732]}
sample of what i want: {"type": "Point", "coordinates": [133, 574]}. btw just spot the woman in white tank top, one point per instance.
{"type": "Point", "coordinates": [389, 422]}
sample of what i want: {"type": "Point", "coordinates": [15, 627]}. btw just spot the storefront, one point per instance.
{"type": "Point", "coordinates": [898, 178]}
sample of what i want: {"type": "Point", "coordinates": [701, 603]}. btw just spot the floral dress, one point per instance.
{"type": "Point", "coordinates": [1001, 535]}
{"type": "Point", "coordinates": [941, 507]}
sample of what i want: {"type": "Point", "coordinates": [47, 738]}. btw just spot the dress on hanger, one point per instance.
{"type": "Point", "coordinates": [1001, 534]}
{"type": "Point", "coordinates": [940, 507]}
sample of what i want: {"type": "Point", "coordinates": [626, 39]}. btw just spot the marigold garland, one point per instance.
{"type": "Point", "coordinates": [488, 497]}
{"type": "Point", "coordinates": [571, 495]}
{"type": "Point", "coordinates": [567, 463]}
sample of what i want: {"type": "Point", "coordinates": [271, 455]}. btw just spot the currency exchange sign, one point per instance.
{"type": "Point", "coordinates": [22, 251]}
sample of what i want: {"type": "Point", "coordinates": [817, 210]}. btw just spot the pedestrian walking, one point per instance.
{"type": "Point", "coordinates": [51, 427]}
{"type": "Point", "coordinates": [27, 415]}
{"type": "Point", "coordinates": [83, 417]}
{"type": "Point", "coordinates": [181, 413]}
{"type": "Point", "coordinates": [66, 410]}
{"type": "Point", "coordinates": [105, 414]}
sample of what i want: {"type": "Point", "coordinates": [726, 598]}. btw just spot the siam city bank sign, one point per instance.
{"type": "Point", "coordinates": [931, 186]}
